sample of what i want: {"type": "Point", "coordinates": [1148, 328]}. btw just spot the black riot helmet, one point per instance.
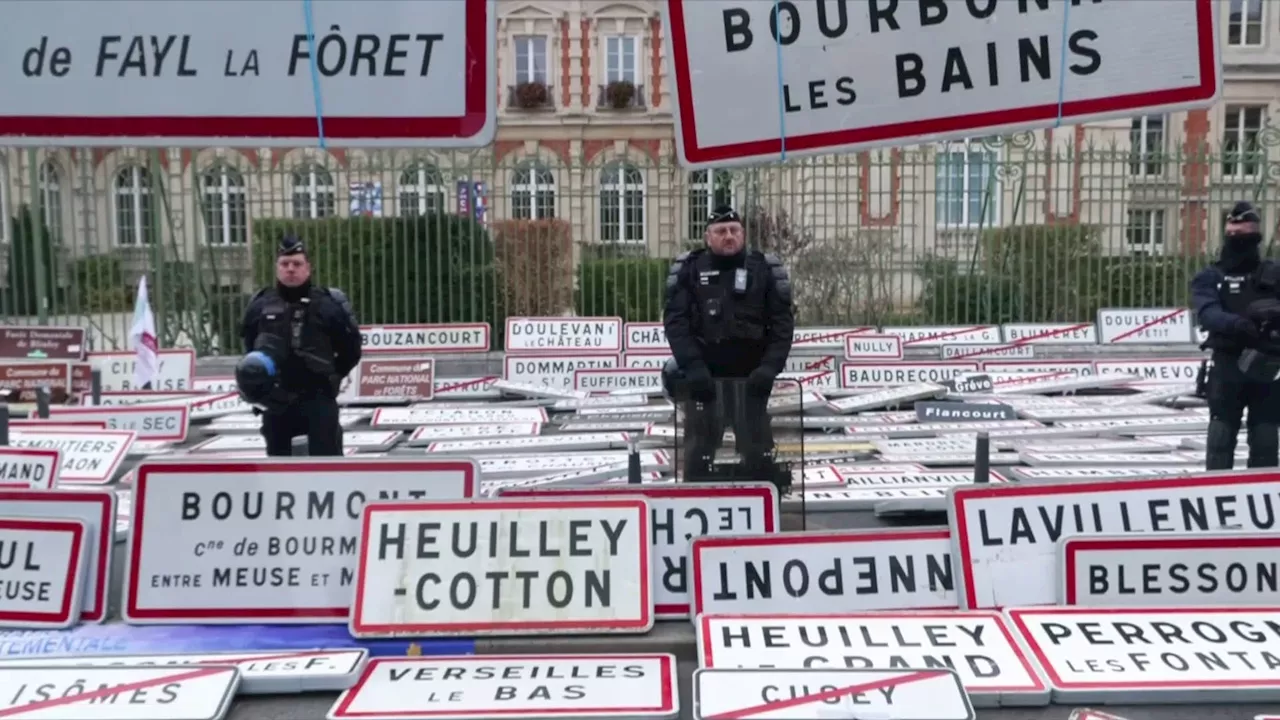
{"type": "Point", "coordinates": [256, 376]}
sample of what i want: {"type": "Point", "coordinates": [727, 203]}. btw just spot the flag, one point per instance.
{"type": "Point", "coordinates": [143, 338]}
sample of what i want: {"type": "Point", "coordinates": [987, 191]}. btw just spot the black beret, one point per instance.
{"type": "Point", "coordinates": [1244, 211]}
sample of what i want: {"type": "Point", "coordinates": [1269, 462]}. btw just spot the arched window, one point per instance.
{"type": "Point", "coordinates": [421, 190]}
{"type": "Point", "coordinates": [621, 204]}
{"type": "Point", "coordinates": [51, 199]}
{"type": "Point", "coordinates": [225, 205]}
{"type": "Point", "coordinates": [708, 189]}
{"type": "Point", "coordinates": [135, 225]}
{"type": "Point", "coordinates": [533, 192]}
{"type": "Point", "coordinates": [313, 193]}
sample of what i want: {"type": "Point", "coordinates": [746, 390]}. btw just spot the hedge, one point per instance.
{"type": "Point", "coordinates": [1043, 273]}
{"type": "Point", "coordinates": [535, 262]}
{"type": "Point", "coordinates": [633, 289]}
{"type": "Point", "coordinates": [434, 268]}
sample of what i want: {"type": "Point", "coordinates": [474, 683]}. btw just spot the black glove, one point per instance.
{"type": "Point", "coordinates": [1246, 330]}
{"type": "Point", "coordinates": [760, 381]}
{"type": "Point", "coordinates": [701, 386]}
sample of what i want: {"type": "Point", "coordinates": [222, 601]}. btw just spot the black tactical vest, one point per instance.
{"type": "Point", "coordinates": [295, 331]}
{"type": "Point", "coordinates": [732, 307]}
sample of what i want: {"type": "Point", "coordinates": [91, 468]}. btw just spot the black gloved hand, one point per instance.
{"type": "Point", "coordinates": [701, 387]}
{"type": "Point", "coordinates": [760, 381]}
{"type": "Point", "coordinates": [1246, 330]}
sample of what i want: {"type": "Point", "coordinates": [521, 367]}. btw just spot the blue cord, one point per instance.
{"type": "Point", "coordinates": [1062, 64]}
{"type": "Point", "coordinates": [315, 70]}
{"type": "Point", "coordinates": [782, 111]}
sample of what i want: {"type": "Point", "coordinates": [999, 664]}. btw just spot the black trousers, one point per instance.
{"type": "Point", "coordinates": [1230, 392]}
{"type": "Point", "coordinates": [705, 424]}
{"type": "Point", "coordinates": [314, 415]}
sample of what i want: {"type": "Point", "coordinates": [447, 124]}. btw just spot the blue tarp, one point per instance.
{"type": "Point", "coordinates": [114, 639]}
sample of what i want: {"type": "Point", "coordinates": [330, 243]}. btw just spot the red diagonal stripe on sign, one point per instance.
{"type": "Point", "coordinates": [1149, 323]}
{"type": "Point", "coordinates": [825, 695]}
{"type": "Point", "coordinates": [831, 336]}
{"type": "Point", "coordinates": [1033, 378]}
{"type": "Point", "coordinates": [1022, 341]}
{"type": "Point", "coordinates": [942, 335]}
{"type": "Point", "coordinates": [819, 364]}
{"type": "Point", "coordinates": [108, 692]}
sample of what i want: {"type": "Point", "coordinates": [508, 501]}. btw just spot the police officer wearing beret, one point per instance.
{"type": "Point", "coordinates": [728, 315]}
{"type": "Point", "coordinates": [301, 340]}
{"type": "Point", "coordinates": [1226, 297]}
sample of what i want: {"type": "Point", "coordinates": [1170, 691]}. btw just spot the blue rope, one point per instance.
{"type": "Point", "coordinates": [315, 70]}
{"type": "Point", "coordinates": [1062, 64]}
{"type": "Point", "coordinates": [782, 111]}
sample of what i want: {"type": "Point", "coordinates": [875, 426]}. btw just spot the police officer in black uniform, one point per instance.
{"type": "Point", "coordinates": [309, 339]}
{"type": "Point", "coordinates": [1224, 296]}
{"type": "Point", "coordinates": [728, 315]}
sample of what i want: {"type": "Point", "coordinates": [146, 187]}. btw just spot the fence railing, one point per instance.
{"type": "Point", "coordinates": [995, 230]}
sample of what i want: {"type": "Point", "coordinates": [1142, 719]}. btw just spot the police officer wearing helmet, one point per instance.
{"type": "Point", "coordinates": [1227, 297]}
{"type": "Point", "coordinates": [301, 341]}
{"type": "Point", "coordinates": [728, 315]}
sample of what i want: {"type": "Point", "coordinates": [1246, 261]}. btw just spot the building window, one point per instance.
{"type": "Point", "coordinates": [622, 54]}
{"type": "Point", "coordinates": [1144, 232]}
{"type": "Point", "coordinates": [1244, 27]}
{"type": "Point", "coordinates": [1241, 131]}
{"type": "Point", "coordinates": [135, 224]}
{"type": "Point", "coordinates": [531, 59]}
{"type": "Point", "coordinates": [51, 199]}
{"type": "Point", "coordinates": [226, 207]}
{"type": "Point", "coordinates": [533, 192]}
{"type": "Point", "coordinates": [621, 204]}
{"type": "Point", "coordinates": [313, 194]}
{"type": "Point", "coordinates": [421, 190]}
{"type": "Point", "coordinates": [968, 193]}
{"type": "Point", "coordinates": [1146, 145]}
{"type": "Point", "coordinates": [707, 190]}
{"type": "Point", "coordinates": [4, 201]}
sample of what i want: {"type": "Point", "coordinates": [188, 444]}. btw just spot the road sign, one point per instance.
{"type": "Point", "coordinates": [615, 687]}
{"type": "Point", "coordinates": [583, 562]}
{"type": "Point", "coordinates": [766, 693]}
{"type": "Point", "coordinates": [1145, 326]}
{"type": "Point", "coordinates": [152, 422]}
{"type": "Point", "coordinates": [812, 572]}
{"type": "Point", "coordinates": [40, 692]}
{"type": "Point", "coordinates": [43, 572]}
{"type": "Point", "coordinates": [96, 508]}
{"type": "Point", "coordinates": [1005, 534]}
{"type": "Point", "coordinates": [231, 541]}
{"type": "Point", "coordinates": [417, 340]}
{"type": "Point", "coordinates": [1233, 568]}
{"type": "Point", "coordinates": [214, 74]}
{"type": "Point", "coordinates": [979, 645]}
{"type": "Point", "coordinates": [34, 468]}
{"type": "Point", "coordinates": [18, 342]}
{"type": "Point", "coordinates": [176, 370]}
{"type": "Point", "coordinates": [264, 672]}
{"type": "Point", "coordinates": [88, 456]}
{"type": "Point", "coordinates": [568, 336]}
{"type": "Point", "coordinates": [1153, 655]}
{"type": "Point", "coordinates": [862, 75]}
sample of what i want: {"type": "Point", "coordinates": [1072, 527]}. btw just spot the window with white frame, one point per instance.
{"type": "Point", "coordinates": [226, 206]}
{"type": "Point", "coordinates": [1242, 153]}
{"type": "Point", "coordinates": [1245, 23]}
{"type": "Point", "coordinates": [1146, 145]}
{"type": "Point", "coordinates": [622, 59]}
{"type": "Point", "coordinates": [421, 190]}
{"type": "Point", "coordinates": [708, 189]}
{"type": "Point", "coordinates": [968, 192]}
{"type": "Point", "coordinates": [314, 195]}
{"type": "Point", "coordinates": [1144, 231]}
{"type": "Point", "coordinates": [533, 192]}
{"type": "Point", "coordinates": [50, 182]}
{"type": "Point", "coordinates": [135, 217]}
{"type": "Point", "coordinates": [621, 203]}
{"type": "Point", "coordinates": [531, 59]}
{"type": "Point", "coordinates": [4, 201]}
